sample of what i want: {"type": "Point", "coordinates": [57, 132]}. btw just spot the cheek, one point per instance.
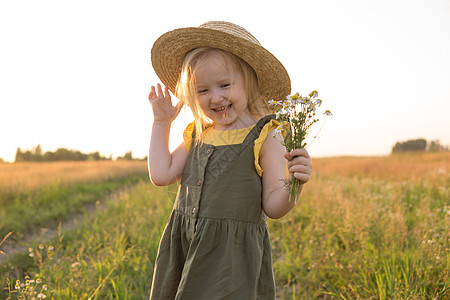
{"type": "Point", "coordinates": [240, 95]}
{"type": "Point", "coordinates": [203, 107]}
{"type": "Point", "coordinates": [202, 103]}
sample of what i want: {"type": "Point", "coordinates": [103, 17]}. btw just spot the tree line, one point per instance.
{"type": "Point", "coordinates": [62, 154]}
{"type": "Point", "coordinates": [419, 145]}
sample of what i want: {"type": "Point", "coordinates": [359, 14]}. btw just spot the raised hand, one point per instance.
{"type": "Point", "coordinates": [163, 109]}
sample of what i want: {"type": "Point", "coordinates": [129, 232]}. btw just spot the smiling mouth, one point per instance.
{"type": "Point", "coordinates": [222, 109]}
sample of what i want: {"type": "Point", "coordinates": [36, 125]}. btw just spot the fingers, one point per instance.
{"type": "Point", "coordinates": [160, 92]}
{"type": "Point", "coordinates": [152, 94]}
{"type": "Point", "coordinates": [301, 172]}
{"type": "Point", "coordinates": [296, 152]}
{"type": "Point", "coordinates": [299, 164]}
{"type": "Point", "coordinates": [302, 177]}
{"type": "Point", "coordinates": [157, 93]}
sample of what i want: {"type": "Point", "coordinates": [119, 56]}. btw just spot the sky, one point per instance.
{"type": "Point", "coordinates": [76, 74]}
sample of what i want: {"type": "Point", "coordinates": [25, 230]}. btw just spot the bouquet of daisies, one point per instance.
{"type": "Point", "coordinates": [297, 115]}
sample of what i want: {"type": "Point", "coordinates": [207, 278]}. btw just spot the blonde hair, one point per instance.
{"type": "Point", "coordinates": [186, 86]}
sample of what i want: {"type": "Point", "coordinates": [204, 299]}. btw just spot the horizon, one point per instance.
{"type": "Point", "coordinates": [77, 75]}
{"type": "Point", "coordinates": [119, 157]}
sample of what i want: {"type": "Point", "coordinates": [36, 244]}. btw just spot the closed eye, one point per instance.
{"type": "Point", "coordinates": [225, 85]}
{"type": "Point", "coordinates": [202, 91]}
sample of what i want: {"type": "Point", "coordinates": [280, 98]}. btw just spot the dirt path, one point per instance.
{"type": "Point", "coordinates": [10, 248]}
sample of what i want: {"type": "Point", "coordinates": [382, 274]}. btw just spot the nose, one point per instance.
{"type": "Point", "coordinates": [217, 96]}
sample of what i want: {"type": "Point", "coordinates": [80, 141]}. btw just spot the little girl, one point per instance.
{"type": "Point", "coordinates": [216, 243]}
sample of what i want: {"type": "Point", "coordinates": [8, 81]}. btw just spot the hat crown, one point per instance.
{"type": "Point", "coordinates": [231, 28]}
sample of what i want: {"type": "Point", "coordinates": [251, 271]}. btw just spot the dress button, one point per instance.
{"type": "Point", "coordinates": [194, 210]}
{"type": "Point", "coordinates": [199, 183]}
{"type": "Point", "coordinates": [208, 151]}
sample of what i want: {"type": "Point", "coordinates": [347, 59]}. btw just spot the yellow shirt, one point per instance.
{"type": "Point", "coordinates": [231, 137]}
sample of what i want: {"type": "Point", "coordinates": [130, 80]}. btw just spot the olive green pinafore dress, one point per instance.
{"type": "Point", "coordinates": [216, 243]}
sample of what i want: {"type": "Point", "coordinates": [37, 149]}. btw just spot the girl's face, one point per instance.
{"type": "Point", "coordinates": [221, 94]}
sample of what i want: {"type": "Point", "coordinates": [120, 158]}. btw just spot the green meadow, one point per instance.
{"type": "Point", "coordinates": [365, 228]}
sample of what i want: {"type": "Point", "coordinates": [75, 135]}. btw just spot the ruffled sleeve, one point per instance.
{"type": "Point", "coordinates": [187, 136]}
{"type": "Point", "coordinates": [272, 124]}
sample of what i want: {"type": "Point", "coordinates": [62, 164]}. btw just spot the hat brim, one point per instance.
{"type": "Point", "coordinates": [168, 52]}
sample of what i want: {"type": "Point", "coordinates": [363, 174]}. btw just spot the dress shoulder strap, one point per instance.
{"type": "Point", "coordinates": [254, 133]}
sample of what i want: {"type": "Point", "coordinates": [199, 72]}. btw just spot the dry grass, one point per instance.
{"type": "Point", "coordinates": [365, 228]}
{"type": "Point", "coordinates": [368, 228]}
{"type": "Point", "coordinates": [31, 176]}
{"type": "Point", "coordinates": [410, 167]}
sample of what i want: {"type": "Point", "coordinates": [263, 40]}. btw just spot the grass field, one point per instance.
{"type": "Point", "coordinates": [365, 228]}
{"type": "Point", "coordinates": [28, 176]}
{"type": "Point", "coordinates": [368, 228]}
{"type": "Point", "coordinates": [36, 195]}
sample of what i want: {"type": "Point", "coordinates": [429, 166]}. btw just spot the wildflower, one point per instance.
{"type": "Point", "coordinates": [274, 102]}
{"type": "Point", "coordinates": [314, 94]}
{"type": "Point", "coordinates": [294, 102]}
{"type": "Point", "coordinates": [41, 246]}
{"type": "Point", "coordinates": [30, 249]}
{"type": "Point", "coordinates": [328, 113]}
{"type": "Point", "coordinates": [311, 107]}
{"type": "Point", "coordinates": [277, 115]}
{"type": "Point", "coordinates": [31, 254]}
{"type": "Point", "coordinates": [38, 281]}
{"type": "Point", "coordinates": [44, 287]}
{"type": "Point", "coordinates": [278, 131]}
{"type": "Point", "coordinates": [50, 248]}
{"type": "Point", "coordinates": [41, 296]}
{"type": "Point", "coordinates": [295, 96]}
{"type": "Point", "coordinates": [318, 102]}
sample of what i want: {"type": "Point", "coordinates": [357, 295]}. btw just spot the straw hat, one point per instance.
{"type": "Point", "coordinates": [169, 50]}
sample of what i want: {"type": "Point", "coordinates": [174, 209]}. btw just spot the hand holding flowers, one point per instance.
{"type": "Point", "coordinates": [299, 164]}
